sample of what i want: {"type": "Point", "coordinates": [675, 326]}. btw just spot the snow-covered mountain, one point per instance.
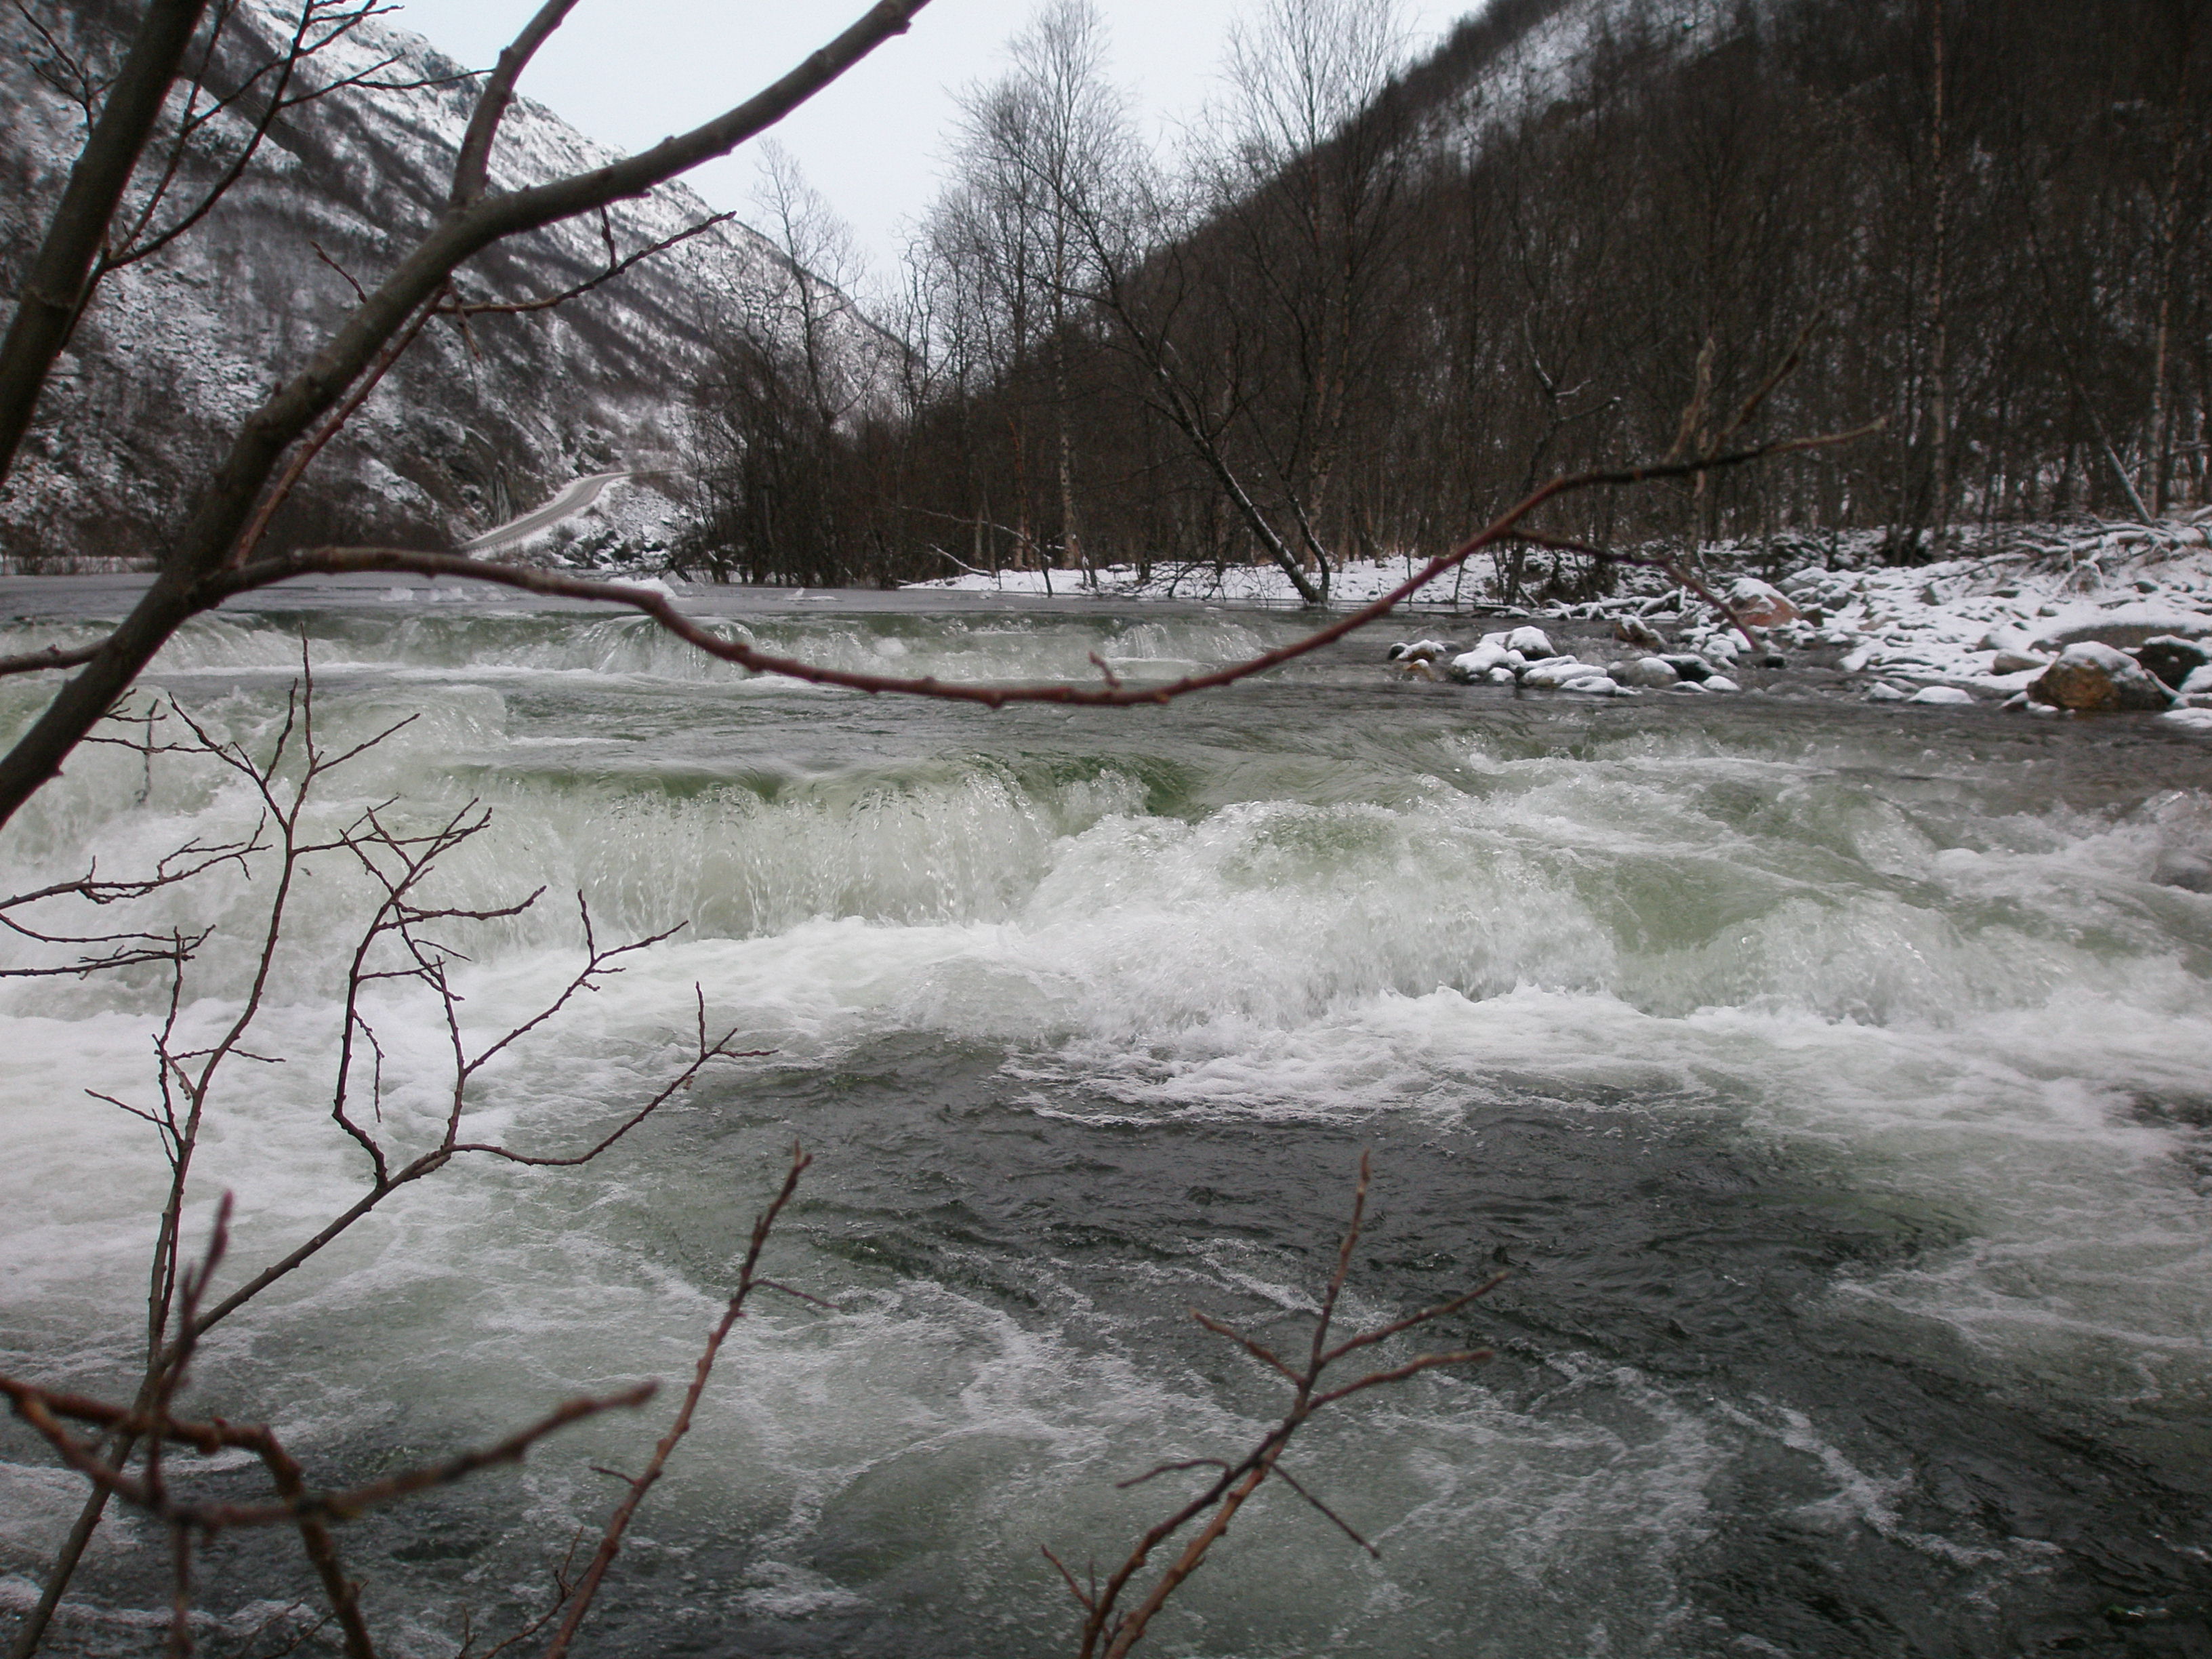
{"type": "Point", "coordinates": [473, 425]}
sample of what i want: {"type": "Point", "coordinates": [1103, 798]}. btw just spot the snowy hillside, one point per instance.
{"type": "Point", "coordinates": [471, 428]}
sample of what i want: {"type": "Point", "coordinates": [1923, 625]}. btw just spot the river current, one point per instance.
{"type": "Point", "coordinates": [1834, 1082]}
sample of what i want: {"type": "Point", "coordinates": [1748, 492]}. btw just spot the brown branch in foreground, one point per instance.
{"type": "Point", "coordinates": [54, 656]}
{"type": "Point", "coordinates": [48, 1410]}
{"type": "Point", "coordinates": [1674, 568]}
{"type": "Point", "coordinates": [1111, 1633]}
{"type": "Point", "coordinates": [406, 938]}
{"type": "Point", "coordinates": [339, 561]}
{"type": "Point", "coordinates": [202, 546]}
{"type": "Point", "coordinates": [617, 265]}
{"type": "Point", "coordinates": [748, 1279]}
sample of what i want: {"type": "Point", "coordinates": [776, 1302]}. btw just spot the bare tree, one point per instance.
{"type": "Point", "coordinates": [476, 218]}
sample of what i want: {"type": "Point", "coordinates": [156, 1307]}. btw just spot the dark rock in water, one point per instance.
{"type": "Point", "coordinates": [1774, 660]}
{"type": "Point", "coordinates": [2176, 868]}
{"type": "Point", "coordinates": [2171, 658]}
{"type": "Point", "coordinates": [2096, 678]}
{"type": "Point", "coordinates": [1689, 666]}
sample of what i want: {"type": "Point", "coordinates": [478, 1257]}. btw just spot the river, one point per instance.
{"type": "Point", "coordinates": [1833, 1080]}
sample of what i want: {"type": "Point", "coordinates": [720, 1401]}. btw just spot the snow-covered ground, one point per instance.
{"type": "Point", "coordinates": [1986, 621]}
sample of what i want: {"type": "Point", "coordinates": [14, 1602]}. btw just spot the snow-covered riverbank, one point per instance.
{"type": "Point", "coordinates": [1986, 621]}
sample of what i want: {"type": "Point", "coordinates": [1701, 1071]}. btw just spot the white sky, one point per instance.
{"type": "Point", "coordinates": [628, 72]}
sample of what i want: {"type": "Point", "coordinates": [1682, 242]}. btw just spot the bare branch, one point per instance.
{"type": "Point", "coordinates": [1114, 1633]}
{"type": "Point", "coordinates": [611, 1540]}
{"type": "Point", "coordinates": [54, 656]}
{"type": "Point", "coordinates": [528, 578]}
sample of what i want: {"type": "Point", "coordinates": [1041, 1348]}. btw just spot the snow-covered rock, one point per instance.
{"type": "Point", "coordinates": [2098, 678]}
{"type": "Point", "coordinates": [1533, 643]}
{"type": "Point", "coordinates": [1553, 672]}
{"type": "Point", "coordinates": [1941, 694]}
{"type": "Point", "coordinates": [1883, 691]}
{"type": "Point", "coordinates": [1721, 683]}
{"type": "Point", "coordinates": [1475, 664]}
{"type": "Point", "coordinates": [1649, 671]}
{"type": "Point", "coordinates": [1759, 605]}
{"type": "Point", "coordinates": [1421, 651]}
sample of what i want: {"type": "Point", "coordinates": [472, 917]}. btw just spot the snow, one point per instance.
{"type": "Point", "coordinates": [2017, 590]}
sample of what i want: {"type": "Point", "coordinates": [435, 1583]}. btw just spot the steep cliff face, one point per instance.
{"type": "Point", "coordinates": [474, 424]}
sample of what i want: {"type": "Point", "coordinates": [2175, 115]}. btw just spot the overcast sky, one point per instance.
{"type": "Point", "coordinates": [629, 72]}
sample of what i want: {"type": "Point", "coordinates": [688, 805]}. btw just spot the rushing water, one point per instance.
{"type": "Point", "coordinates": [1833, 1080]}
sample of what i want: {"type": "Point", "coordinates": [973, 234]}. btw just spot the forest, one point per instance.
{"type": "Point", "coordinates": [1368, 307]}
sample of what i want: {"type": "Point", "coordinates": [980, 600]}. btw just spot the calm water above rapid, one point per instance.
{"type": "Point", "coordinates": [1834, 1080]}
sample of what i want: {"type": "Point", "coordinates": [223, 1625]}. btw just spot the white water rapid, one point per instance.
{"type": "Point", "coordinates": [1835, 1081]}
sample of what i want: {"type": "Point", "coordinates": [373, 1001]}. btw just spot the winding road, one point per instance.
{"type": "Point", "coordinates": [573, 498]}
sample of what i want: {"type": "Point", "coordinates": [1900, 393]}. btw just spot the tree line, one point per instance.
{"type": "Point", "coordinates": [1368, 305]}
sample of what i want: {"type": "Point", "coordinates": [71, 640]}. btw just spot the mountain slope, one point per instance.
{"type": "Point", "coordinates": [474, 425]}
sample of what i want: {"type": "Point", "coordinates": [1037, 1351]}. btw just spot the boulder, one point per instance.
{"type": "Point", "coordinates": [1531, 643]}
{"type": "Point", "coordinates": [1652, 671]}
{"type": "Point", "coordinates": [1629, 631]}
{"type": "Point", "coordinates": [1554, 672]}
{"type": "Point", "coordinates": [1941, 694]}
{"type": "Point", "coordinates": [1475, 664]}
{"type": "Point", "coordinates": [1688, 667]}
{"type": "Point", "coordinates": [1760, 604]}
{"type": "Point", "coordinates": [2010, 661]}
{"type": "Point", "coordinates": [1423, 651]}
{"type": "Point", "coordinates": [1721, 683]}
{"type": "Point", "coordinates": [2092, 677]}
{"type": "Point", "coordinates": [2171, 658]}
{"type": "Point", "coordinates": [1883, 691]}
{"type": "Point", "coordinates": [1595, 684]}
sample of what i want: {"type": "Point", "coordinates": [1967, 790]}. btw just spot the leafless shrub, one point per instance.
{"type": "Point", "coordinates": [1108, 1632]}
{"type": "Point", "coordinates": [407, 938]}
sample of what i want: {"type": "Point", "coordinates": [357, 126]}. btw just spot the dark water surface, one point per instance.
{"type": "Point", "coordinates": [1833, 1081]}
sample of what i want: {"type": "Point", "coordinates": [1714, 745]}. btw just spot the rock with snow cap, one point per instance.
{"type": "Point", "coordinates": [1942, 694]}
{"type": "Point", "coordinates": [1476, 664]}
{"type": "Point", "coordinates": [1652, 672]}
{"type": "Point", "coordinates": [1423, 651]}
{"type": "Point", "coordinates": [1531, 643]}
{"type": "Point", "coordinates": [1883, 691]}
{"type": "Point", "coordinates": [2099, 678]}
{"type": "Point", "coordinates": [1759, 605]}
{"type": "Point", "coordinates": [1689, 666]}
{"type": "Point", "coordinates": [1554, 672]}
